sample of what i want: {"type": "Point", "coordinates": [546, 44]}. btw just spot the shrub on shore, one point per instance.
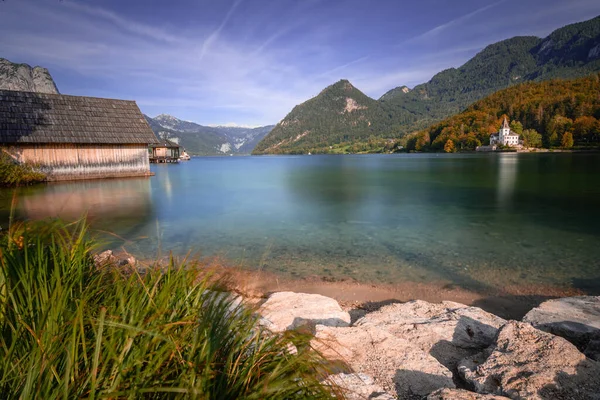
{"type": "Point", "coordinates": [14, 174]}
{"type": "Point", "coordinates": [71, 330]}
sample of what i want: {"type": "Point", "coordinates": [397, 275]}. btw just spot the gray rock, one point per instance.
{"type": "Point", "coordinates": [526, 363]}
{"type": "Point", "coordinates": [461, 394]}
{"type": "Point", "coordinates": [576, 319]}
{"type": "Point", "coordinates": [108, 258]}
{"type": "Point", "coordinates": [592, 350]}
{"type": "Point", "coordinates": [448, 331]}
{"type": "Point", "coordinates": [24, 78]}
{"type": "Point", "coordinates": [358, 387]}
{"type": "Point", "coordinates": [398, 366]}
{"type": "Point", "coordinates": [289, 310]}
{"type": "Point", "coordinates": [105, 258]}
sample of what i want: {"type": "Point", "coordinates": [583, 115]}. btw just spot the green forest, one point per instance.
{"type": "Point", "coordinates": [551, 114]}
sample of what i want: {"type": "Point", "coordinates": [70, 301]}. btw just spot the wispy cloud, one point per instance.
{"type": "Point", "coordinates": [214, 36]}
{"type": "Point", "coordinates": [123, 23]}
{"type": "Point", "coordinates": [259, 59]}
{"type": "Point", "coordinates": [438, 30]}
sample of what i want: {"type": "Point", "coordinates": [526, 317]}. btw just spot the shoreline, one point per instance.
{"type": "Point", "coordinates": [362, 297]}
{"type": "Point", "coordinates": [358, 298]}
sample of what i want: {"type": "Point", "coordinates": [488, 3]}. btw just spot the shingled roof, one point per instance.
{"type": "Point", "coordinates": [27, 117]}
{"type": "Point", "coordinates": [165, 143]}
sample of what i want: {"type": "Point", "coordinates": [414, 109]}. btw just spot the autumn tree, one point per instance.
{"type": "Point", "coordinates": [586, 129]}
{"type": "Point", "coordinates": [516, 127]}
{"type": "Point", "coordinates": [567, 140]}
{"type": "Point", "coordinates": [423, 141]}
{"type": "Point", "coordinates": [556, 129]}
{"type": "Point", "coordinates": [449, 146]}
{"type": "Point", "coordinates": [531, 138]}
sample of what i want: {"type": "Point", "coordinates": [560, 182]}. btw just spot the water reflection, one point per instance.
{"type": "Point", "coordinates": [108, 204]}
{"type": "Point", "coordinates": [507, 175]}
{"type": "Point", "coordinates": [163, 170]}
{"type": "Point", "coordinates": [335, 187]}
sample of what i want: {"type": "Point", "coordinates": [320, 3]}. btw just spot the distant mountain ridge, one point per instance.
{"type": "Point", "coordinates": [207, 140]}
{"type": "Point", "coordinates": [569, 52]}
{"type": "Point", "coordinates": [23, 77]}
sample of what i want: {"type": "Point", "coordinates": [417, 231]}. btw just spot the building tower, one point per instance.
{"type": "Point", "coordinates": [504, 131]}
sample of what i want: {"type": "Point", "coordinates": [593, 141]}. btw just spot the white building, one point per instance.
{"type": "Point", "coordinates": [505, 136]}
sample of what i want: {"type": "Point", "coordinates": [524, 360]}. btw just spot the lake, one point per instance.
{"type": "Point", "coordinates": [478, 221]}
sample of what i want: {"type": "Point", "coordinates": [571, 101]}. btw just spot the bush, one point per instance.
{"type": "Point", "coordinates": [71, 330]}
{"type": "Point", "coordinates": [13, 174]}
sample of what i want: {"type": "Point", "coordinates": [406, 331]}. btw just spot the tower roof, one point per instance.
{"type": "Point", "coordinates": [505, 124]}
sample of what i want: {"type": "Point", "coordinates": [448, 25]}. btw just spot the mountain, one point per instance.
{"type": "Point", "coordinates": [340, 113]}
{"type": "Point", "coordinates": [569, 52]}
{"type": "Point", "coordinates": [207, 140]}
{"type": "Point", "coordinates": [25, 78]}
{"type": "Point", "coordinates": [549, 110]}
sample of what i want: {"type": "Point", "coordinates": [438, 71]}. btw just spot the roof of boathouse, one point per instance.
{"type": "Point", "coordinates": [165, 143]}
{"type": "Point", "coordinates": [27, 117]}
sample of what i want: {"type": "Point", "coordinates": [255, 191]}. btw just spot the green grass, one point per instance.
{"type": "Point", "coordinates": [71, 330]}
{"type": "Point", "coordinates": [13, 174]}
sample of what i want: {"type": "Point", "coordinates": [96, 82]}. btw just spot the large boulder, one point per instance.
{"type": "Point", "coordinates": [289, 310]}
{"type": "Point", "coordinates": [526, 363]}
{"type": "Point", "coordinates": [577, 319]}
{"type": "Point", "coordinates": [448, 331]}
{"type": "Point", "coordinates": [358, 387]}
{"type": "Point", "coordinates": [397, 365]}
{"type": "Point", "coordinates": [461, 394]}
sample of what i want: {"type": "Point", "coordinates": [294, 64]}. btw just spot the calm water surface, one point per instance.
{"type": "Point", "coordinates": [479, 221]}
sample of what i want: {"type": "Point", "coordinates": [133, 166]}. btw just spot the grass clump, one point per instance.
{"type": "Point", "coordinates": [71, 330]}
{"type": "Point", "coordinates": [14, 174]}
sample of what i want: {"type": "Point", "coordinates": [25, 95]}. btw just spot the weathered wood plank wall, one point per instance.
{"type": "Point", "coordinates": [81, 161]}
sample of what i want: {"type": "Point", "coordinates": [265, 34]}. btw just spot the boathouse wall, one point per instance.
{"type": "Point", "coordinates": [81, 161]}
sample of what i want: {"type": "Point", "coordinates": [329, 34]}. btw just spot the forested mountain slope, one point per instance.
{"type": "Point", "coordinates": [341, 115]}
{"type": "Point", "coordinates": [555, 113]}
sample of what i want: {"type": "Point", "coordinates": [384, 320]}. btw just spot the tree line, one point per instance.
{"type": "Point", "coordinates": [550, 114]}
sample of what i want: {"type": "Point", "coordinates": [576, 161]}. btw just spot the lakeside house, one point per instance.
{"type": "Point", "coordinates": [75, 137]}
{"type": "Point", "coordinates": [164, 151]}
{"type": "Point", "coordinates": [504, 137]}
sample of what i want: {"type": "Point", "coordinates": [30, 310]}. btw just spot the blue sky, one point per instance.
{"type": "Point", "coordinates": [251, 61]}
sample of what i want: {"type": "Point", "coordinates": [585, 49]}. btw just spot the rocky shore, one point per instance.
{"type": "Point", "coordinates": [448, 350]}
{"type": "Point", "coordinates": [439, 350]}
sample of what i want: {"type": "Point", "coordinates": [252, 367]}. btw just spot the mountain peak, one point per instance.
{"type": "Point", "coordinates": [23, 77]}
{"type": "Point", "coordinates": [166, 117]}
{"type": "Point", "coordinates": [341, 110]}
{"type": "Point", "coordinates": [343, 84]}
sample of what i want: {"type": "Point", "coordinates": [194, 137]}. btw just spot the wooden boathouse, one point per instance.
{"type": "Point", "coordinates": [165, 151]}
{"type": "Point", "coordinates": [74, 137]}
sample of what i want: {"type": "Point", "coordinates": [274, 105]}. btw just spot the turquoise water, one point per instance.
{"type": "Point", "coordinates": [474, 220]}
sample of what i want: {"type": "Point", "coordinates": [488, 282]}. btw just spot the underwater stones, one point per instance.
{"type": "Point", "coordinates": [288, 310]}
